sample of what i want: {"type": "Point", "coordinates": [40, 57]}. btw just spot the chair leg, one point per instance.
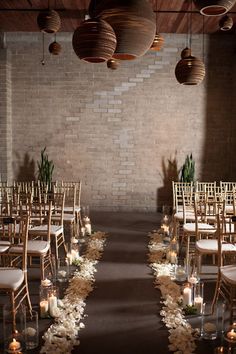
{"type": "Point", "coordinates": [216, 294]}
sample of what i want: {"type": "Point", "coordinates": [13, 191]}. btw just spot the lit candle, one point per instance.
{"type": "Point", "coordinates": [165, 228]}
{"type": "Point", "coordinates": [52, 302]}
{"type": "Point", "coordinates": [231, 335]}
{"type": "Point", "coordinates": [46, 282]}
{"type": "Point", "coordinates": [14, 346]}
{"type": "Point", "coordinates": [198, 303]}
{"type": "Point", "coordinates": [193, 279]}
{"type": "Point", "coordinates": [88, 229]}
{"type": "Point", "coordinates": [187, 296]}
{"type": "Point", "coordinates": [82, 230]}
{"type": "Point", "coordinates": [173, 257]}
{"type": "Point", "coordinates": [43, 308]}
{"type": "Point", "coordinates": [74, 255]}
{"type": "Point", "coordinates": [69, 257]}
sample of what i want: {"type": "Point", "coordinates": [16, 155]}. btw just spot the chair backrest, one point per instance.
{"type": "Point", "coordinates": [179, 189]}
{"type": "Point", "coordinates": [226, 229]}
{"type": "Point", "coordinates": [78, 185]}
{"type": "Point", "coordinates": [70, 194]}
{"type": "Point", "coordinates": [58, 203]}
{"type": "Point", "coordinates": [41, 214]}
{"type": "Point", "coordinates": [227, 186]}
{"type": "Point", "coordinates": [205, 186]}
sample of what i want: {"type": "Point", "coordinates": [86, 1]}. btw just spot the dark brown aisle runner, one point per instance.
{"type": "Point", "coordinates": [123, 311]}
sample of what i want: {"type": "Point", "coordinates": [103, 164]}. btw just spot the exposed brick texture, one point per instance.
{"type": "Point", "coordinates": [121, 132]}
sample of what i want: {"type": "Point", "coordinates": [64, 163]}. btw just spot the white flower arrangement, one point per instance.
{"type": "Point", "coordinates": [62, 336]}
{"type": "Point", "coordinates": [181, 334]}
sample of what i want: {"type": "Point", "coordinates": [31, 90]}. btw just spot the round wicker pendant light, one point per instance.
{"type": "Point", "coordinates": [133, 22]}
{"type": "Point", "coordinates": [49, 21]}
{"type": "Point", "coordinates": [214, 7]}
{"type": "Point", "coordinates": [157, 43]}
{"type": "Point", "coordinates": [94, 41]}
{"type": "Point", "coordinates": [189, 70]}
{"type": "Point", "coordinates": [112, 64]}
{"type": "Point", "coordinates": [226, 23]}
{"type": "Point", "coordinates": [54, 48]}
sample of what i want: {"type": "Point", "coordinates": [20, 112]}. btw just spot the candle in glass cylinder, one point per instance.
{"type": "Point", "coordinates": [173, 257]}
{"type": "Point", "coordinates": [198, 303]}
{"type": "Point", "coordinates": [187, 295]}
{"type": "Point", "coordinates": [231, 335]}
{"type": "Point", "coordinates": [43, 308]}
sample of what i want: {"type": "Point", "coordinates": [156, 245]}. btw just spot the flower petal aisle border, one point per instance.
{"type": "Point", "coordinates": [181, 334]}
{"type": "Point", "coordinates": [62, 336]}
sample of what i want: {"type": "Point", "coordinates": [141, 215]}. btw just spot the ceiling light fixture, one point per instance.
{"type": "Point", "coordinates": [158, 40]}
{"type": "Point", "coordinates": [54, 48]}
{"type": "Point", "coordinates": [226, 23]}
{"type": "Point", "coordinates": [49, 21]}
{"type": "Point", "coordinates": [94, 41]}
{"type": "Point", "coordinates": [113, 64]}
{"type": "Point", "coordinates": [189, 70]}
{"type": "Point", "coordinates": [214, 7]}
{"type": "Point", "coordinates": [133, 22]}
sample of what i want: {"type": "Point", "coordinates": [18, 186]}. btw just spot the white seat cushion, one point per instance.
{"type": "Point", "coordinates": [39, 247]}
{"type": "Point", "coordinates": [180, 216]}
{"type": "Point", "coordinates": [11, 278]}
{"type": "Point", "coordinates": [4, 243]}
{"type": "Point", "coordinates": [3, 248]}
{"type": "Point", "coordinates": [228, 273]}
{"type": "Point", "coordinates": [69, 209]}
{"type": "Point", "coordinates": [55, 230]}
{"type": "Point", "coordinates": [202, 227]}
{"type": "Point", "coordinates": [211, 246]}
{"type": "Point", "coordinates": [69, 218]}
{"type": "Point", "coordinates": [229, 209]}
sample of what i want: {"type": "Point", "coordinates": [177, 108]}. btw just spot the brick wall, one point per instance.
{"type": "Point", "coordinates": [125, 132]}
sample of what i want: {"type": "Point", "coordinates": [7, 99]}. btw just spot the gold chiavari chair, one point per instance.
{"type": "Point", "coordinates": [13, 278]}
{"type": "Point", "coordinates": [226, 278]}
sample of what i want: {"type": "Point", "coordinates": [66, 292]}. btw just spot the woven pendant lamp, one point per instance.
{"type": "Point", "coordinates": [214, 7]}
{"type": "Point", "coordinates": [133, 22]}
{"type": "Point", "coordinates": [226, 23]}
{"type": "Point", "coordinates": [94, 41]}
{"type": "Point", "coordinates": [189, 70]}
{"type": "Point", "coordinates": [54, 48]}
{"type": "Point", "coordinates": [112, 64]}
{"type": "Point", "coordinates": [49, 21]}
{"type": "Point", "coordinates": [157, 43]}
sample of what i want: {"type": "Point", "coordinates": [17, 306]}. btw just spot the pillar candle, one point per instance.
{"type": "Point", "coordinates": [187, 296]}
{"type": "Point", "coordinates": [43, 308]}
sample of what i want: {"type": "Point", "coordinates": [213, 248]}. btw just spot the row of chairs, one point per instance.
{"type": "Point", "coordinates": [208, 228]}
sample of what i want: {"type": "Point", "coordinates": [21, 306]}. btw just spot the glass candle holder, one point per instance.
{"type": "Point", "coordinates": [88, 227]}
{"type": "Point", "coordinates": [13, 327]}
{"type": "Point", "coordinates": [45, 287]}
{"type": "Point", "coordinates": [230, 334]}
{"type": "Point", "coordinates": [63, 269]}
{"type": "Point", "coordinates": [31, 331]}
{"type": "Point", "coordinates": [52, 301]}
{"type": "Point", "coordinates": [187, 294]}
{"type": "Point", "coordinates": [211, 322]}
{"type": "Point", "coordinates": [198, 297]}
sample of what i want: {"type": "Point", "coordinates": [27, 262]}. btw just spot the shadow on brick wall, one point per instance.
{"type": "Point", "coordinates": [169, 173]}
{"type": "Point", "coordinates": [26, 171]}
{"type": "Point", "coordinates": [218, 159]}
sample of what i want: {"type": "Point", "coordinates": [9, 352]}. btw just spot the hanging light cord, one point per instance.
{"type": "Point", "coordinates": [190, 26]}
{"type": "Point", "coordinates": [43, 61]}
{"type": "Point", "coordinates": [203, 38]}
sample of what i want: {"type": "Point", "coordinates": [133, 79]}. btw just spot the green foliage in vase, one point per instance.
{"type": "Point", "coordinates": [190, 310]}
{"type": "Point", "coordinates": [45, 169]}
{"type": "Point", "coordinates": [188, 170]}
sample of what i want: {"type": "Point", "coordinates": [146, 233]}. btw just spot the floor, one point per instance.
{"type": "Point", "coordinates": [123, 310]}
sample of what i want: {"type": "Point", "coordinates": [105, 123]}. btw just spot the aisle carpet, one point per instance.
{"type": "Point", "coordinates": [123, 310]}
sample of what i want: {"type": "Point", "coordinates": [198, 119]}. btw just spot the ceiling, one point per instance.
{"type": "Point", "coordinates": [172, 16]}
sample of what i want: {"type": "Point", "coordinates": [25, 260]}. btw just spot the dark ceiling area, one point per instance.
{"type": "Point", "coordinates": [172, 16]}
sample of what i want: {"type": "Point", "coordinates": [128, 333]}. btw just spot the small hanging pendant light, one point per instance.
{"type": "Point", "coordinates": [49, 21]}
{"type": "Point", "coordinates": [158, 40]}
{"type": "Point", "coordinates": [189, 70]}
{"type": "Point", "coordinates": [226, 23]}
{"type": "Point", "coordinates": [112, 64]}
{"type": "Point", "coordinates": [157, 43]}
{"type": "Point", "coordinates": [54, 48]}
{"type": "Point", "coordinates": [214, 7]}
